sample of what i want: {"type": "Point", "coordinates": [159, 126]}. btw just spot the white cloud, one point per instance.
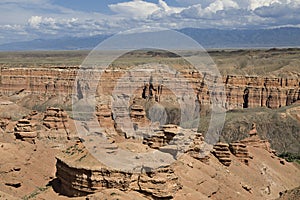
{"type": "Point", "coordinates": [137, 8]}
{"type": "Point", "coordinates": [276, 10]}
{"type": "Point", "coordinates": [254, 4]}
{"type": "Point", "coordinates": [41, 18]}
{"type": "Point", "coordinates": [221, 5]}
{"type": "Point", "coordinates": [212, 11]}
{"type": "Point", "coordinates": [143, 9]}
{"type": "Point", "coordinates": [35, 21]}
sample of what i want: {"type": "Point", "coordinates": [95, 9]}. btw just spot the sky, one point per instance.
{"type": "Point", "coordinates": [23, 20]}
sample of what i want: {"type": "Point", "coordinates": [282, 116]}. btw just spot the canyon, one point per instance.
{"type": "Point", "coordinates": [240, 91]}
{"type": "Point", "coordinates": [51, 152]}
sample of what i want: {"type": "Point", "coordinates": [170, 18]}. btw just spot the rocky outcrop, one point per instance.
{"type": "Point", "coordinates": [161, 184]}
{"type": "Point", "coordinates": [254, 91]}
{"type": "Point", "coordinates": [197, 149]}
{"type": "Point", "coordinates": [4, 122]}
{"type": "Point", "coordinates": [80, 174]}
{"type": "Point", "coordinates": [240, 91]}
{"type": "Point", "coordinates": [56, 118]}
{"type": "Point", "coordinates": [24, 130]}
{"type": "Point", "coordinates": [255, 141]}
{"type": "Point", "coordinates": [37, 80]}
{"type": "Point", "coordinates": [56, 123]}
{"type": "Point", "coordinates": [105, 117]}
{"type": "Point", "coordinates": [240, 151]}
{"type": "Point", "coordinates": [222, 153]}
{"type": "Point", "coordinates": [157, 140]}
{"type": "Point", "coordinates": [162, 137]}
{"type": "Point", "coordinates": [138, 115]}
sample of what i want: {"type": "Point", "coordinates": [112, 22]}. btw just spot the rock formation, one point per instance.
{"type": "Point", "coordinates": [56, 118]}
{"type": "Point", "coordinates": [4, 122]}
{"type": "Point", "coordinates": [240, 151]}
{"type": "Point", "coordinates": [163, 136]}
{"type": "Point", "coordinates": [37, 80]}
{"type": "Point", "coordinates": [221, 151]}
{"type": "Point", "coordinates": [138, 115]}
{"type": "Point", "coordinates": [253, 130]}
{"type": "Point", "coordinates": [80, 174]}
{"type": "Point", "coordinates": [197, 149]}
{"type": "Point", "coordinates": [255, 141]}
{"type": "Point", "coordinates": [241, 91]}
{"type": "Point", "coordinates": [157, 140]}
{"type": "Point", "coordinates": [105, 118]}
{"type": "Point", "coordinates": [24, 130]}
{"type": "Point", "coordinates": [254, 91]}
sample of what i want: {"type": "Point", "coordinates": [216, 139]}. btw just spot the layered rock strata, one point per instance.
{"type": "Point", "coordinates": [138, 115]}
{"type": "Point", "coordinates": [163, 136]}
{"type": "Point", "coordinates": [25, 130]}
{"type": "Point", "coordinates": [255, 141]}
{"type": "Point", "coordinates": [240, 151]}
{"type": "Point", "coordinates": [240, 91]}
{"type": "Point", "coordinates": [56, 120]}
{"type": "Point", "coordinates": [105, 117]}
{"type": "Point", "coordinates": [197, 149]}
{"type": "Point", "coordinates": [222, 153]}
{"type": "Point", "coordinates": [80, 174]}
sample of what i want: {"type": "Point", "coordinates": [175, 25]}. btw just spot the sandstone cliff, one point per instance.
{"type": "Point", "coordinates": [241, 91]}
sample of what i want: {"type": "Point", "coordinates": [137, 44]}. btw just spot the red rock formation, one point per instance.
{"type": "Point", "coordinates": [241, 91]}
{"type": "Point", "coordinates": [138, 115]}
{"type": "Point", "coordinates": [105, 118]}
{"type": "Point", "coordinates": [81, 174]}
{"type": "Point", "coordinates": [56, 118]}
{"type": "Point", "coordinates": [255, 141]}
{"type": "Point", "coordinates": [240, 151]}
{"type": "Point", "coordinates": [262, 92]}
{"type": "Point", "coordinates": [25, 130]}
{"type": "Point", "coordinates": [37, 80]}
{"type": "Point", "coordinates": [162, 136]}
{"type": "Point", "coordinates": [197, 149]}
{"type": "Point", "coordinates": [221, 151]}
{"type": "Point", "coordinates": [253, 130]}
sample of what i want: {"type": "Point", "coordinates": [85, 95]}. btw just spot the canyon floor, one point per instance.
{"type": "Point", "coordinates": [43, 157]}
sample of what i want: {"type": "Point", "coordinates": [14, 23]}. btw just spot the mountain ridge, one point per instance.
{"type": "Point", "coordinates": [208, 38]}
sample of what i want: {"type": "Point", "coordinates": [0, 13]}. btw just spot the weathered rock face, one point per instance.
{"type": "Point", "coordinates": [241, 91]}
{"type": "Point", "coordinates": [162, 183]}
{"type": "Point", "coordinates": [240, 151]}
{"type": "Point", "coordinates": [156, 141]}
{"type": "Point", "coordinates": [137, 112]}
{"type": "Point", "coordinates": [37, 80]}
{"type": "Point", "coordinates": [56, 118]}
{"type": "Point", "coordinates": [250, 92]}
{"type": "Point", "coordinates": [33, 115]}
{"type": "Point", "coordinates": [197, 149]}
{"type": "Point", "coordinates": [255, 141]}
{"type": "Point", "coordinates": [25, 130]}
{"type": "Point", "coordinates": [56, 124]}
{"type": "Point", "coordinates": [163, 136]}
{"type": "Point", "coordinates": [4, 122]}
{"type": "Point", "coordinates": [80, 174]}
{"type": "Point", "coordinates": [221, 151]}
{"type": "Point", "coordinates": [105, 118]}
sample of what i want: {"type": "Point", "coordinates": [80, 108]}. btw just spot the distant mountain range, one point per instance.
{"type": "Point", "coordinates": [208, 38]}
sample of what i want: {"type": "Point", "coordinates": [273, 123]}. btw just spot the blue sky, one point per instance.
{"type": "Point", "coordinates": [23, 20]}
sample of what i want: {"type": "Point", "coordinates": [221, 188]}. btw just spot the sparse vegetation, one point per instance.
{"type": "Point", "coordinates": [35, 193]}
{"type": "Point", "coordinates": [290, 157]}
{"type": "Point", "coordinates": [243, 62]}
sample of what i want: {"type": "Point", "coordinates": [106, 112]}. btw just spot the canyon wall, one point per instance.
{"type": "Point", "coordinates": [241, 91]}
